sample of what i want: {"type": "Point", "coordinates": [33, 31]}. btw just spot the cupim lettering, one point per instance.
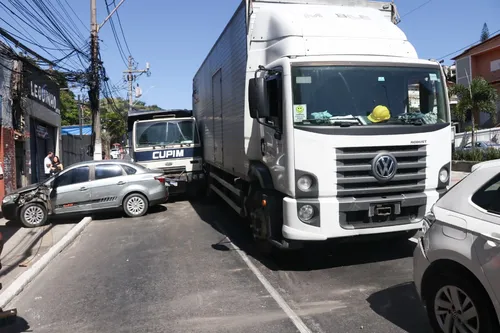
{"type": "Point", "coordinates": [158, 155]}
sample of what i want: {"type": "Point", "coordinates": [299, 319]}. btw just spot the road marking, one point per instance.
{"type": "Point", "coordinates": [301, 326]}
{"type": "Point", "coordinates": [414, 240]}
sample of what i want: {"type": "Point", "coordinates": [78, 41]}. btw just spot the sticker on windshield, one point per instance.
{"type": "Point", "coordinates": [433, 77]}
{"type": "Point", "coordinates": [381, 79]}
{"type": "Point", "coordinates": [299, 112]}
{"type": "Point", "coordinates": [303, 80]}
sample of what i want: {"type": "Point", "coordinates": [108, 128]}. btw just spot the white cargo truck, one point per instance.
{"type": "Point", "coordinates": [319, 121]}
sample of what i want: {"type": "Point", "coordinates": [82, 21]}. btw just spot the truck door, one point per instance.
{"type": "Point", "coordinates": [217, 118]}
{"type": "Point", "coordinates": [272, 142]}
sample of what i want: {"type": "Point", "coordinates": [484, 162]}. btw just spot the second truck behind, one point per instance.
{"type": "Point", "coordinates": [319, 121]}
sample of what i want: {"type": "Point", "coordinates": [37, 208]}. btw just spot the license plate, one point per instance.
{"type": "Point", "coordinates": [173, 183]}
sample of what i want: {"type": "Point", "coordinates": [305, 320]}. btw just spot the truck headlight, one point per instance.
{"type": "Point", "coordinates": [304, 183]}
{"type": "Point", "coordinates": [306, 213]}
{"type": "Point", "coordinates": [444, 175]}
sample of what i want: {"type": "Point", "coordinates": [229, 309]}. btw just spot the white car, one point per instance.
{"type": "Point", "coordinates": [115, 153]}
{"type": "Point", "coordinates": [457, 261]}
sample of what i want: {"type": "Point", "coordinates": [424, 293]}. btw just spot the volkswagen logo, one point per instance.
{"type": "Point", "coordinates": [384, 167]}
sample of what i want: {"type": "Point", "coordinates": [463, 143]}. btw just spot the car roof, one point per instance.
{"type": "Point", "coordinates": [93, 162]}
{"type": "Point", "coordinates": [486, 164]}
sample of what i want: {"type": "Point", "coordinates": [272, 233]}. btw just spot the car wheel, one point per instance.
{"type": "Point", "coordinates": [455, 304]}
{"type": "Point", "coordinates": [135, 205]}
{"type": "Point", "coordinates": [33, 215]}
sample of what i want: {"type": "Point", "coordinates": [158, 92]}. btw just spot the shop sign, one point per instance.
{"type": "Point", "coordinates": [41, 88]}
{"type": "Point", "coordinates": [41, 132]}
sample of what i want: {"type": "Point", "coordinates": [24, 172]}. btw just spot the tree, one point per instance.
{"type": "Point", "coordinates": [485, 33]}
{"type": "Point", "coordinates": [114, 113]}
{"type": "Point", "coordinates": [478, 97]}
{"type": "Point", "coordinates": [69, 108]}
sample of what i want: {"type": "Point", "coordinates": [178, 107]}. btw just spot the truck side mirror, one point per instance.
{"type": "Point", "coordinates": [257, 98]}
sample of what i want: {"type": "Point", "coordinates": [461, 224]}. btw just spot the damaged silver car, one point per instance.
{"type": "Point", "coordinates": [88, 187]}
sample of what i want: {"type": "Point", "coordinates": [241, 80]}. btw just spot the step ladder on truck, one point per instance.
{"type": "Point", "coordinates": [319, 121]}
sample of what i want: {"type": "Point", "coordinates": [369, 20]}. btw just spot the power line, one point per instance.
{"type": "Point", "coordinates": [58, 37]}
{"type": "Point", "coordinates": [465, 47]}
{"type": "Point", "coordinates": [117, 39]}
{"type": "Point", "coordinates": [77, 16]}
{"type": "Point", "coordinates": [416, 8]}
{"type": "Point", "coordinates": [121, 28]}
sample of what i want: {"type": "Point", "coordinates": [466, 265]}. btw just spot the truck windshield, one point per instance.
{"type": "Point", "coordinates": [162, 133]}
{"type": "Point", "coordinates": [368, 95]}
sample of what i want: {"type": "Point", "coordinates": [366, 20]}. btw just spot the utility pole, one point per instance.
{"type": "Point", "coordinates": [95, 77]}
{"type": "Point", "coordinates": [130, 76]}
{"type": "Point", "coordinates": [94, 83]}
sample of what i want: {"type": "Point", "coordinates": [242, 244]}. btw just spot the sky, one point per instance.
{"type": "Point", "coordinates": [175, 37]}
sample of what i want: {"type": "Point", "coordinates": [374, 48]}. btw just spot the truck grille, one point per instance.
{"type": "Point", "coordinates": [355, 175]}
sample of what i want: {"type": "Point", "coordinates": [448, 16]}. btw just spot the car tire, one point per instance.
{"type": "Point", "coordinates": [135, 205]}
{"type": "Point", "coordinates": [441, 287]}
{"type": "Point", "coordinates": [33, 215]}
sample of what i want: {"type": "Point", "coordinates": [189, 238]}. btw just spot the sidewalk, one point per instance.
{"type": "Point", "coordinates": [23, 246]}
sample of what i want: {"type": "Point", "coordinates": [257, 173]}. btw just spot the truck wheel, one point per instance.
{"type": "Point", "coordinates": [259, 220]}
{"type": "Point", "coordinates": [33, 215]}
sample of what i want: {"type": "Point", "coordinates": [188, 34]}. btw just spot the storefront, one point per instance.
{"type": "Point", "coordinates": [42, 121]}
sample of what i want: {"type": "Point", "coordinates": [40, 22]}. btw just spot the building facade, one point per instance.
{"type": "Point", "coordinates": [30, 122]}
{"type": "Point", "coordinates": [481, 60]}
{"type": "Point", "coordinates": [40, 103]}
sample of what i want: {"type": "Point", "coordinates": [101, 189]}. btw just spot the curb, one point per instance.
{"type": "Point", "coordinates": [22, 281]}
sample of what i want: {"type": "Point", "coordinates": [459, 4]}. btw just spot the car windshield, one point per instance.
{"type": "Point", "coordinates": [163, 133]}
{"type": "Point", "coordinates": [368, 95]}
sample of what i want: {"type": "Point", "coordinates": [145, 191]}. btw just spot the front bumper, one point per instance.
{"type": "Point", "coordinates": [10, 211]}
{"type": "Point", "coordinates": [186, 181]}
{"type": "Point", "coordinates": [346, 217]}
{"type": "Point", "coordinates": [420, 265]}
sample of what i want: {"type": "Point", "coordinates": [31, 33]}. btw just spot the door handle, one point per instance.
{"type": "Point", "coordinates": [121, 183]}
{"type": "Point", "coordinates": [83, 189]}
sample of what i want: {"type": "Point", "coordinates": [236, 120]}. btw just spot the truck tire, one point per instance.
{"type": "Point", "coordinates": [259, 219]}
{"type": "Point", "coordinates": [33, 215]}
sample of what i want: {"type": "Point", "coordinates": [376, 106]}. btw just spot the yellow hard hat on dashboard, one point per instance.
{"type": "Point", "coordinates": [379, 113]}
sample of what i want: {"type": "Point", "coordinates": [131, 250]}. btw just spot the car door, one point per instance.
{"type": "Point", "coordinates": [487, 227]}
{"type": "Point", "coordinates": [71, 193]}
{"type": "Point", "coordinates": [107, 186]}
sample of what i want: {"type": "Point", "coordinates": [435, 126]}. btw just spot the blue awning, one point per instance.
{"type": "Point", "coordinates": [75, 130]}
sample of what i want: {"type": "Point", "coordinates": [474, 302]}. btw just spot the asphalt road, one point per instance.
{"type": "Point", "coordinates": [175, 271]}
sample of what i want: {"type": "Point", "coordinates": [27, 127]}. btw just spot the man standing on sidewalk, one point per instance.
{"type": "Point", "coordinates": [47, 163]}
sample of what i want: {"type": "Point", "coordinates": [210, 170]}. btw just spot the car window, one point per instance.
{"type": "Point", "coordinates": [74, 176]}
{"type": "Point", "coordinates": [129, 170]}
{"type": "Point", "coordinates": [103, 171]}
{"type": "Point", "coordinates": [488, 196]}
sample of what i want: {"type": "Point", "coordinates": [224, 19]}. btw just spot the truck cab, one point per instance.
{"type": "Point", "coordinates": [168, 140]}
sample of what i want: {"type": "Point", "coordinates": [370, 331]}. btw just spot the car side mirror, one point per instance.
{"type": "Point", "coordinates": [257, 98]}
